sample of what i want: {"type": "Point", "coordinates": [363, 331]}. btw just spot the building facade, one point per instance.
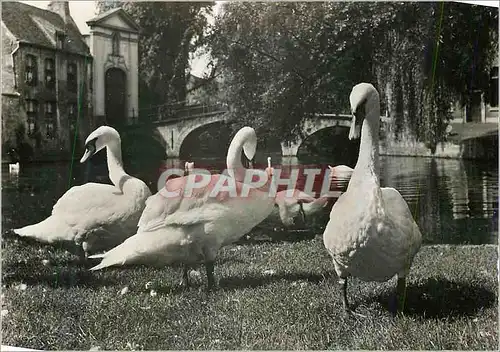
{"type": "Point", "coordinates": [113, 43]}
{"type": "Point", "coordinates": [57, 85]}
{"type": "Point", "coordinates": [484, 104]}
{"type": "Point", "coordinates": [45, 71]}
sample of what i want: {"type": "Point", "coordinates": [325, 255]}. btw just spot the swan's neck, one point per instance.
{"type": "Point", "coordinates": [367, 166]}
{"type": "Point", "coordinates": [115, 163]}
{"type": "Point", "coordinates": [234, 161]}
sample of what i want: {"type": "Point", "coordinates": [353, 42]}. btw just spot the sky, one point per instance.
{"type": "Point", "coordinates": [82, 11]}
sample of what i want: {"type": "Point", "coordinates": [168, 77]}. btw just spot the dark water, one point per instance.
{"type": "Point", "coordinates": [454, 201]}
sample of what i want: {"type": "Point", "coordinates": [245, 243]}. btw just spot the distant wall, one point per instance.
{"type": "Point", "coordinates": [475, 148]}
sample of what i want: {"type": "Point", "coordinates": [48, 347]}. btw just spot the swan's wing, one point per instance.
{"type": "Point", "coordinates": [162, 204]}
{"type": "Point", "coordinates": [90, 204]}
{"type": "Point", "coordinates": [372, 238]}
{"type": "Point", "coordinates": [398, 211]}
{"type": "Point", "coordinates": [204, 204]}
{"type": "Point", "coordinates": [351, 214]}
{"type": "Point", "coordinates": [157, 208]}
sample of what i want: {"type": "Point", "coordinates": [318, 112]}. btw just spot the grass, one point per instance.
{"type": "Point", "coordinates": [270, 296]}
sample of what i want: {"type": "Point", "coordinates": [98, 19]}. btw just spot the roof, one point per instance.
{"type": "Point", "coordinates": [37, 26]}
{"type": "Point", "coordinates": [99, 19]}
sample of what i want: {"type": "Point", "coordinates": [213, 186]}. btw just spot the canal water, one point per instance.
{"type": "Point", "coordinates": [453, 201]}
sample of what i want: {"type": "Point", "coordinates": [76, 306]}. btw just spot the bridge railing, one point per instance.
{"type": "Point", "coordinates": [196, 110]}
{"type": "Point", "coordinates": [176, 112]}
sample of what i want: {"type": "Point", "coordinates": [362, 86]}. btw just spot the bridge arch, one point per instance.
{"type": "Point", "coordinates": [174, 132]}
{"type": "Point", "coordinates": [312, 125]}
{"type": "Point", "coordinates": [208, 140]}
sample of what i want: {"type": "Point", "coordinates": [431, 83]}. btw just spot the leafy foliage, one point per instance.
{"type": "Point", "coordinates": [282, 62]}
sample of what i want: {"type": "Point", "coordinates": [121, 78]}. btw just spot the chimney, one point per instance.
{"type": "Point", "coordinates": [61, 8]}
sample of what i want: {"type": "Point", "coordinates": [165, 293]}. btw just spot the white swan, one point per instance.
{"type": "Point", "coordinates": [14, 168]}
{"type": "Point", "coordinates": [188, 167]}
{"type": "Point", "coordinates": [192, 229]}
{"type": "Point", "coordinates": [371, 233]}
{"type": "Point", "coordinates": [95, 216]}
{"type": "Point", "coordinates": [288, 208]}
{"type": "Point", "coordinates": [340, 175]}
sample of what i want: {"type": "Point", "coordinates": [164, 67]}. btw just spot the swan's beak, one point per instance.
{"type": "Point", "coordinates": [89, 151]}
{"type": "Point", "coordinates": [250, 164]}
{"type": "Point", "coordinates": [355, 130]}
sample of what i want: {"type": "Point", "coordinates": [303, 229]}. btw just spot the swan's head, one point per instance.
{"type": "Point", "coordinates": [363, 98]}
{"type": "Point", "coordinates": [99, 139]}
{"type": "Point", "coordinates": [249, 142]}
{"type": "Point", "coordinates": [246, 138]}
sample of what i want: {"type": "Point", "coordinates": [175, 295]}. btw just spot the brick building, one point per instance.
{"type": "Point", "coordinates": [58, 85]}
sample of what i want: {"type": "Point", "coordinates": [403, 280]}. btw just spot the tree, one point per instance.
{"type": "Point", "coordinates": [282, 62]}
{"type": "Point", "coordinates": [170, 31]}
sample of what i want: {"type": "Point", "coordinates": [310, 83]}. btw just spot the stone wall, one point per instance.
{"type": "Point", "coordinates": [484, 148]}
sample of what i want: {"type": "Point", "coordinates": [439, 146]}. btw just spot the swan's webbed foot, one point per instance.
{"type": "Point", "coordinates": [209, 265]}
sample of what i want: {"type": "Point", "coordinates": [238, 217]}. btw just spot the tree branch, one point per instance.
{"type": "Point", "coordinates": [298, 73]}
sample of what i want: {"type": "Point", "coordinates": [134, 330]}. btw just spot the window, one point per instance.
{"type": "Point", "coordinates": [50, 77]}
{"type": "Point", "coordinates": [31, 112]}
{"type": "Point", "coordinates": [60, 39]}
{"type": "Point", "coordinates": [71, 77]}
{"type": "Point", "coordinates": [115, 44]}
{"type": "Point", "coordinates": [72, 110]}
{"type": "Point", "coordinates": [494, 87]}
{"type": "Point", "coordinates": [50, 119]}
{"type": "Point", "coordinates": [31, 70]}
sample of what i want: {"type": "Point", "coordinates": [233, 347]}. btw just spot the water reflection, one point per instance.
{"type": "Point", "coordinates": [453, 201]}
{"type": "Point", "coordinates": [453, 171]}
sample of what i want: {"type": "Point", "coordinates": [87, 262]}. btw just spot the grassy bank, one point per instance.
{"type": "Point", "coordinates": [271, 296]}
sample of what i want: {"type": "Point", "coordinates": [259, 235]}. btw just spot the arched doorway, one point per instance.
{"type": "Point", "coordinates": [116, 97]}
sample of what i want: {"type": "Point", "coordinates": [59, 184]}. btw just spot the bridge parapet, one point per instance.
{"type": "Point", "coordinates": [189, 118]}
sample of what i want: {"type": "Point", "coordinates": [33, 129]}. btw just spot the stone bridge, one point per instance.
{"type": "Point", "coordinates": [175, 131]}
{"type": "Point", "coordinates": [312, 125]}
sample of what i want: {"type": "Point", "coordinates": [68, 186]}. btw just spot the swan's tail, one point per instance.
{"type": "Point", "coordinates": [102, 265]}
{"type": "Point", "coordinates": [49, 230]}
{"type": "Point", "coordinates": [165, 246]}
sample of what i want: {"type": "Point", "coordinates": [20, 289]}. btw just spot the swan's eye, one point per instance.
{"type": "Point", "coordinates": [91, 145]}
{"type": "Point", "coordinates": [359, 111]}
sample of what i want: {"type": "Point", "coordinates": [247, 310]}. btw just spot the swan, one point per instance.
{"type": "Point", "coordinates": [288, 208]}
{"type": "Point", "coordinates": [95, 216]}
{"type": "Point", "coordinates": [188, 167]}
{"type": "Point", "coordinates": [14, 168]}
{"type": "Point", "coordinates": [340, 175]}
{"type": "Point", "coordinates": [190, 229]}
{"type": "Point", "coordinates": [371, 233]}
